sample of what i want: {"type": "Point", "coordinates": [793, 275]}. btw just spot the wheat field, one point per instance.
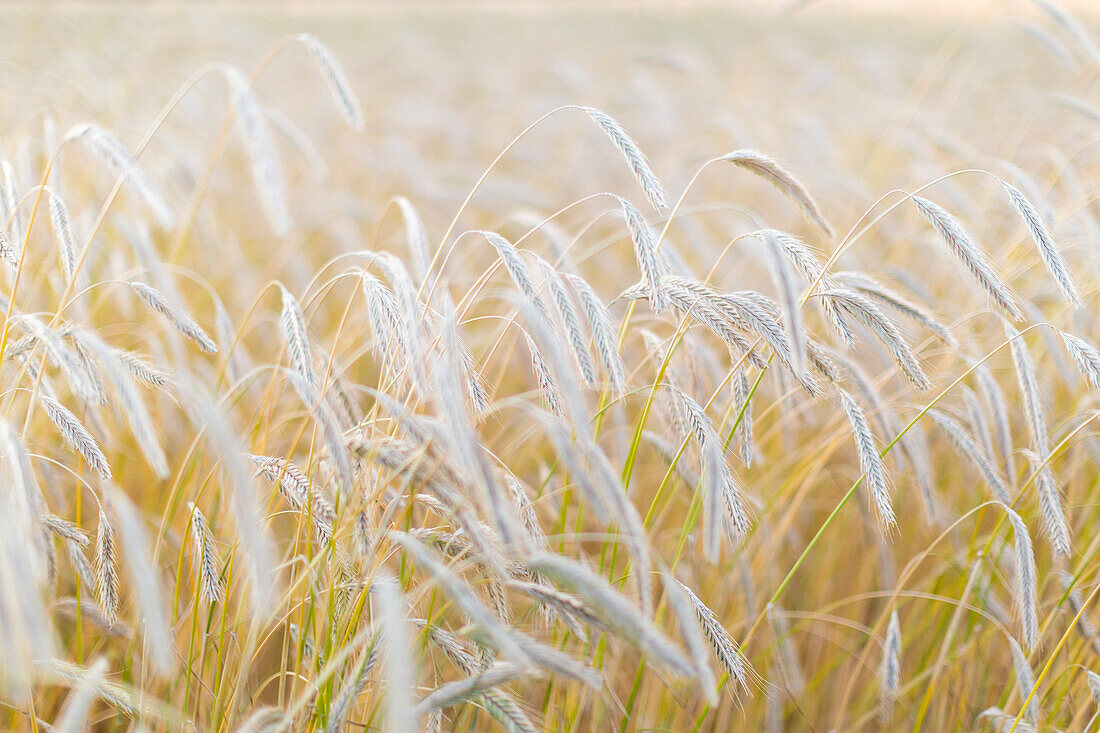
{"type": "Point", "coordinates": [549, 367]}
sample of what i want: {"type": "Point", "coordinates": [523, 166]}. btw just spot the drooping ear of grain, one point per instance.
{"type": "Point", "coordinates": [765, 167]}
{"type": "Point", "coordinates": [968, 449]}
{"type": "Point", "coordinates": [874, 472]}
{"type": "Point", "coordinates": [645, 252]}
{"type": "Point", "coordinates": [890, 669]}
{"type": "Point", "coordinates": [726, 650]}
{"type": "Point", "coordinates": [1025, 597]}
{"type": "Point", "coordinates": [1025, 681]}
{"type": "Point", "coordinates": [178, 317]}
{"type": "Point", "coordinates": [106, 568]}
{"type": "Point", "coordinates": [1073, 27]}
{"type": "Point", "coordinates": [1054, 516]}
{"type": "Point", "coordinates": [634, 157]}
{"type": "Point", "coordinates": [1085, 356]}
{"type": "Point", "coordinates": [74, 433]}
{"type": "Point", "coordinates": [1044, 241]}
{"type": "Point", "coordinates": [74, 715]}
{"type": "Point", "coordinates": [63, 232]}
{"type": "Point", "coordinates": [297, 339]}
{"type": "Point", "coordinates": [121, 163]}
{"type": "Point", "coordinates": [263, 158]}
{"type": "Point", "coordinates": [970, 255]}
{"type": "Point", "coordinates": [205, 556]}
{"type": "Point", "coordinates": [145, 583]}
{"type": "Point", "coordinates": [788, 298]}
{"type": "Point", "coordinates": [336, 80]}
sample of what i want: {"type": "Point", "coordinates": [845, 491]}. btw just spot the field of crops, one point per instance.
{"type": "Point", "coordinates": [549, 368]}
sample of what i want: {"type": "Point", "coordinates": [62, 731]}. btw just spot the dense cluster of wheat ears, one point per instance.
{"type": "Point", "coordinates": [472, 478]}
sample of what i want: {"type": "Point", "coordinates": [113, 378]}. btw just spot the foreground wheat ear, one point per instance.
{"type": "Point", "coordinates": [303, 431]}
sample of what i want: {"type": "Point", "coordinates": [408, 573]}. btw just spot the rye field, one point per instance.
{"type": "Point", "coordinates": [549, 367]}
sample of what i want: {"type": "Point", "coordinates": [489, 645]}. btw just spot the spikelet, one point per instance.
{"type": "Point", "coordinates": [527, 513]}
{"type": "Point", "coordinates": [146, 585]}
{"type": "Point", "coordinates": [469, 688]}
{"type": "Point", "coordinates": [870, 463]}
{"type": "Point", "coordinates": [415, 237]}
{"type": "Point", "coordinates": [1050, 500]}
{"type": "Point", "coordinates": [8, 252]}
{"type": "Point", "coordinates": [570, 320]}
{"type": "Point", "coordinates": [971, 256]}
{"type": "Point", "coordinates": [133, 406]}
{"type": "Point", "coordinates": [459, 652]}
{"type": "Point", "coordinates": [74, 715]}
{"type": "Point", "coordinates": [205, 556]}
{"type": "Point", "coordinates": [1005, 723]}
{"type": "Point", "coordinates": [1025, 681]}
{"type": "Point", "coordinates": [726, 650]}
{"type": "Point", "coordinates": [74, 433]}
{"type": "Point", "coordinates": [463, 595]}
{"type": "Point", "coordinates": [27, 561]}
{"type": "Point", "coordinates": [564, 606]}
{"type": "Point", "coordinates": [266, 720]}
{"type": "Point", "coordinates": [297, 340]}
{"type": "Point", "coordinates": [178, 317]}
{"type": "Point", "coordinates": [545, 378]}
{"type": "Point", "coordinates": [1076, 605]}
{"type": "Point", "coordinates": [1025, 597]}
{"type": "Point", "coordinates": [66, 530]}
{"type": "Point", "coordinates": [698, 303]}
{"type": "Point", "coordinates": [11, 247]}
{"type": "Point", "coordinates": [890, 669]}
{"type": "Point", "coordinates": [462, 438]}
{"type": "Point", "coordinates": [122, 163]}
{"type": "Point", "coordinates": [139, 369]}
{"type": "Point", "coordinates": [887, 297]}
{"type": "Point", "coordinates": [1072, 27]}
{"type": "Point", "coordinates": [263, 159]}
{"type": "Point", "coordinates": [768, 169]}
{"type": "Point", "coordinates": [603, 333]}
{"type": "Point", "coordinates": [885, 331]}
{"type": "Point", "coordinates": [336, 80]}
{"type": "Point", "coordinates": [117, 696]}
{"type": "Point", "coordinates": [645, 252]}
{"type": "Point", "coordinates": [968, 449]}
{"type": "Point", "coordinates": [716, 478]}
{"type": "Point", "coordinates": [63, 233]}
{"type": "Point", "coordinates": [352, 688]}
{"type": "Point", "coordinates": [742, 391]}
{"type": "Point", "coordinates": [257, 551]}
{"type": "Point", "coordinates": [634, 158]}
{"type": "Point", "coordinates": [77, 370]}
{"type": "Point", "coordinates": [789, 299]}
{"type": "Point", "coordinates": [506, 711]}
{"type": "Point", "coordinates": [518, 271]}
{"type": "Point", "coordinates": [299, 492]}
{"type": "Point", "coordinates": [995, 400]}
{"type": "Point", "coordinates": [106, 568]}
{"type": "Point", "coordinates": [616, 612]}
{"type": "Point", "coordinates": [573, 461]}
{"type": "Point", "coordinates": [1086, 356]}
{"type": "Point", "coordinates": [1044, 241]}
{"type": "Point", "coordinates": [692, 635]}
{"type": "Point", "coordinates": [1094, 685]}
